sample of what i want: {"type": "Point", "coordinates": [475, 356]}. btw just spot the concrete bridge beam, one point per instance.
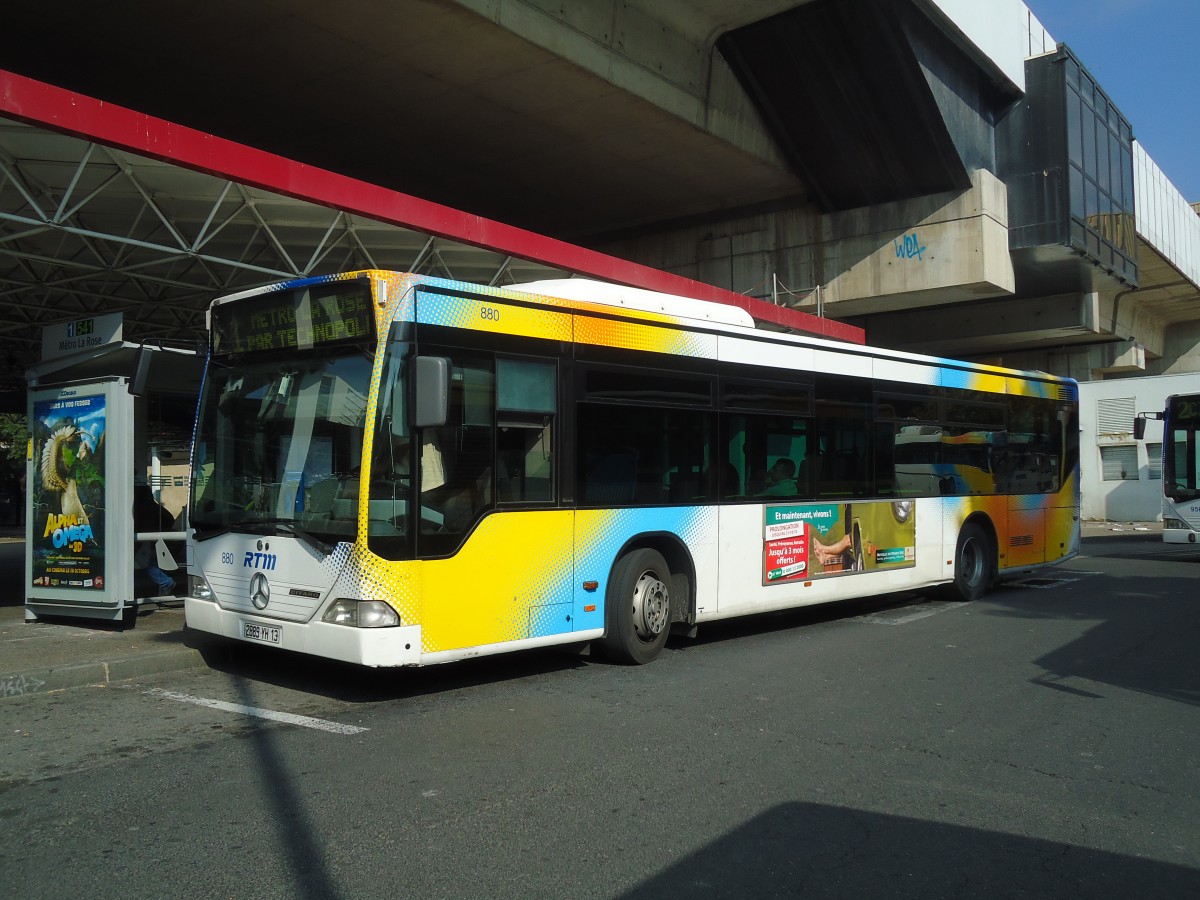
{"type": "Point", "coordinates": [991, 326]}
{"type": "Point", "coordinates": [661, 54]}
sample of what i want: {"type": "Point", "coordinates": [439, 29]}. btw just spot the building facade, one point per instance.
{"type": "Point", "coordinates": [1120, 478]}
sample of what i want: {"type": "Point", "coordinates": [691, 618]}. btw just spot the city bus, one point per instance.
{"type": "Point", "coordinates": [397, 470]}
{"type": "Point", "coordinates": [1180, 463]}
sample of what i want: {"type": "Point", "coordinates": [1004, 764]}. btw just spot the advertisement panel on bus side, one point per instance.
{"type": "Point", "coordinates": [803, 541]}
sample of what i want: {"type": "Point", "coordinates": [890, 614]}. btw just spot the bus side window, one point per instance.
{"type": "Point", "coordinates": [844, 412]}
{"type": "Point", "coordinates": [1035, 445]}
{"type": "Point", "coordinates": [524, 471]}
{"type": "Point", "coordinates": [643, 455]}
{"type": "Point", "coordinates": [455, 484]}
{"type": "Point", "coordinates": [526, 402]}
{"type": "Point", "coordinates": [767, 456]}
{"type": "Point", "coordinates": [610, 478]}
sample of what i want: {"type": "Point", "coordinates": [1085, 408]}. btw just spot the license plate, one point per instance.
{"type": "Point", "coordinates": [267, 634]}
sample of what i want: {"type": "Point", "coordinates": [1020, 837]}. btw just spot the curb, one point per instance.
{"type": "Point", "coordinates": [97, 674]}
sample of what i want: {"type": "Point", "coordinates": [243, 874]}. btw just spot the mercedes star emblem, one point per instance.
{"type": "Point", "coordinates": [260, 591]}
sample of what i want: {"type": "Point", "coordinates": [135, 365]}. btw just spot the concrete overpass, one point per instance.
{"type": "Point", "coordinates": [761, 148]}
{"type": "Point", "coordinates": [571, 122]}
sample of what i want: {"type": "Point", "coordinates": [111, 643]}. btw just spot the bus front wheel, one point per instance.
{"type": "Point", "coordinates": [639, 607]}
{"type": "Point", "coordinates": [973, 561]}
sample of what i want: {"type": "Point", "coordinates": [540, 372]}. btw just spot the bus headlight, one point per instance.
{"type": "Point", "coordinates": [1174, 523]}
{"type": "Point", "coordinates": [199, 588]}
{"type": "Point", "coordinates": [361, 614]}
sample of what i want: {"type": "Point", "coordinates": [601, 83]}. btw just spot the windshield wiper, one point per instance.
{"type": "Point", "coordinates": [312, 540]}
{"type": "Point", "coordinates": [287, 526]}
{"type": "Point", "coordinates": [205, 532]}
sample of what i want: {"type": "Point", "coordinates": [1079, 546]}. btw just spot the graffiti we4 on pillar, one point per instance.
{"type": "Point", "coordinates": [909, 246]}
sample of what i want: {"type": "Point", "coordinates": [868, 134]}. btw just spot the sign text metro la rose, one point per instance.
{"type": "Point", "coordinates": [77, 335]}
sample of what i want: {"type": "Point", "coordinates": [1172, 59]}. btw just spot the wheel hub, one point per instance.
{"type": "Point", "coordinates": [971, 562]}
{"type": "Point", "coordinates": [651, 606]}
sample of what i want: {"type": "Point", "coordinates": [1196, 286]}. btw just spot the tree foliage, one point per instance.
{"type": "Point", "coordinates": [14, 439]}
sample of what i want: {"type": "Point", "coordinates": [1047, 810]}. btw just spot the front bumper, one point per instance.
{"type": "Point", "coordinates": [377, 647]}
{"type": "Point", "coordinates": [1179, 536]}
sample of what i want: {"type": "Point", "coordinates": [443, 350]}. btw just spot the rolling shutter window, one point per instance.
{"type": "Point", "coordinates": [1115, 416]}
{"type": "Point", "coordinates": [1154, 457]}
{"type": "Point", "coordinates": [1119, 463]}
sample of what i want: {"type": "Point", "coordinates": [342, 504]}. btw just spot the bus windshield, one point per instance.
{"type": "Point", "coordinates": [1181, 461]}
{"type": "Point", "coordinates": [279, 446]}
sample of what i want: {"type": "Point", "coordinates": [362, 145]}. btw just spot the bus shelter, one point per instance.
{"type": "Point", "coordinates": [109, 427]}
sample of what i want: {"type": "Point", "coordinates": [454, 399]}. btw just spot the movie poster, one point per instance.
{"type": "Point", "coordinates": [68, 492]}
{"type": "Point", "coordinates": [803, 541]}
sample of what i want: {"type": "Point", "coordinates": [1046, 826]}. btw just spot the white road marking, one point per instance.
{"type": "Point", "coordinates": [907, 614]}
{"type": "Point", "coordinates": [904, 616]}
{"type": "Point", "coordinates": [291, 719]}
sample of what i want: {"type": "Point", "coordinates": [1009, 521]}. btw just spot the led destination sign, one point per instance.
{"type": "Point", "coordinates": [1185, 409]}
{"type": "Point", "coordinates": [313, 316]}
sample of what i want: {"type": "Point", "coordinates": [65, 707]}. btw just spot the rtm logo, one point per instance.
{"type": "Point", "coordinates": [264, 561]}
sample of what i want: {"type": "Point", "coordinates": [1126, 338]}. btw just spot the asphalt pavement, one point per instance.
{"type": "Point", "coordinates": [53, 654]}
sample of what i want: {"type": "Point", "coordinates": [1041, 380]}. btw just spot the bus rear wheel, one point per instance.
{"type": "Point", "coordinates": [639, 607]}
{"type": "Point", "coordinates": [973, 563]}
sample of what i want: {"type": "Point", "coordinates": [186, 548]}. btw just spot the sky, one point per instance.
{"type": "Point", "coordinates": [1144, 55]}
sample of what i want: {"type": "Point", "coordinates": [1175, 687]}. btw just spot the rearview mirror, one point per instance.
{"type": "Point", "coordinates": [430, 376]}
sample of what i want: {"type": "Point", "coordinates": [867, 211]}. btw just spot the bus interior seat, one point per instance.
{"type": "Point", "coordinates": [811, 472]}
{"type": "Point", "coordinates": [847, 466]}
{"type": "Point", "coordinates": [651, 489]}
{"type": "Point", "coordinates": [320, 495]}
{"type": "Point", "coordinates": [684, 485]}
{"type": "Point", "coordinates": [612, 479]}
{"type": "Point", "coordinates": [508, 487]}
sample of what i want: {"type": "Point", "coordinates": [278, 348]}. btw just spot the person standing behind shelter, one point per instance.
{"type": "Point", "coordinates": [149, 515]}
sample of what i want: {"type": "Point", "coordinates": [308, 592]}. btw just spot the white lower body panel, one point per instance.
{"type": "Point", "coordinates": [378, 647]}
{"type": "Point", "coordinates": [1179, 536]}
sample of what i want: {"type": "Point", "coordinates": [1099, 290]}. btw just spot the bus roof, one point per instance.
{"type": "Point", "coordinates": [589, 291]}
{"type": "Point", "coordinates": [637, 300]}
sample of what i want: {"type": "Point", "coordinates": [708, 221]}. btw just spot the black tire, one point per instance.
{"type": "Point", "coordinates": [638, 603]}
{"type": "Point", "coordinates": [858, 564]}
{"type": "Point", "coordinates": [974, 563]}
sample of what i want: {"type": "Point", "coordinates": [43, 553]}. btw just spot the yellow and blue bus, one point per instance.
{"type": "Point", "coordinates": [392, 469]}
